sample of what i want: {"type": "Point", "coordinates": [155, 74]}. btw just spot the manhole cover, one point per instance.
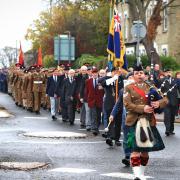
{"type": "Point", "coordinates": [5, 114]}
{"type": "Point", "coordinates": [23, 166]}
{"type": "Point", "coordinates": [55, 134]}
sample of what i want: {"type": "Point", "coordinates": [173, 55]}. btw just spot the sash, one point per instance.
{"type": "Point", "coordinates": [140, 92]}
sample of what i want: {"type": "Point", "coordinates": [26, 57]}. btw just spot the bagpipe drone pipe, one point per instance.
{"type": "Point", "coordinates": [155, 94]}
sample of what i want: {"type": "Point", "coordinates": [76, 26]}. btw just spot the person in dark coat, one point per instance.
{"type": "Point", "coordinates": [69, 94]}
{"type": "Point", "coordinates": [169, 86]}
{"type": "Point", "coordinates": [83, 77]}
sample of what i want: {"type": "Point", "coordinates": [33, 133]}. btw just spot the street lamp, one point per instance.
{"type": "Point", "coordinates": [69, 42]}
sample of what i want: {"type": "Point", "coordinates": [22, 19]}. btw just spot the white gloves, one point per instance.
{"type": "Point", "coordinates": [111, 80]}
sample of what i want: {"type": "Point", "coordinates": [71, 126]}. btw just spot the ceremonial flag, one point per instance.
{"type": "Point", "coordinates": [21, 56]}
{"type": "Point", "coordinates": [116, 47]}
{"type": "Point", "coordinates": [39, 63]}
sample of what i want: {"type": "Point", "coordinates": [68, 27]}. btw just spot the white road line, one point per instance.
{"type": "Point", "coordinates": [99, 130]}
{"type": "Point", "coordinates": [72, 170]}
{"type": "Point", "coordinates": [123, 175]}
{"type": "Point", "coordinates": [9, 129]}
{"type": "Point", "coordinates": [35, 117]}
{"type": "Point", "coordinates": [50, 143]}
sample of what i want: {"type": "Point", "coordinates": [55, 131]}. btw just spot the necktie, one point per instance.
{"type": "Point", "coordinates": [55, 78]}
{"type": "Point", "coordinates": [94, 83]}
{"type": "Point", "coordinates": [170, 80]}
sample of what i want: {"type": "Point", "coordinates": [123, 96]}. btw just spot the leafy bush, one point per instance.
{"type": "Point", "coordinates": [169, 62]}
{"type": "Point", "coordinates": [98, 61]}
{"type": "Point", "coordinates": [101, 61]}
{"type": "Point", "coordinates": [48, 61]}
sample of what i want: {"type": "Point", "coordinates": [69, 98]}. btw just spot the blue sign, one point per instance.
{"type": "Point", "coordinates": [64, 48]}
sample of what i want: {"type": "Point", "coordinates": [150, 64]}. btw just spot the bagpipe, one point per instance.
{"type": "Point", "coordinates": [156, 94]}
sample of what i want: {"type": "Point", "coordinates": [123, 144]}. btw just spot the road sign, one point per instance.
{"type": "Point", "coordinates": [138, 30]}
{"type": "Point", "coordinates": [64, 48]}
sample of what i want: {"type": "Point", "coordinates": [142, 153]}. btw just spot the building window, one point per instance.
{"type": "Point", "coordinates": [164, 51]}
{"type": "Point", "coordinates": [165, 19]}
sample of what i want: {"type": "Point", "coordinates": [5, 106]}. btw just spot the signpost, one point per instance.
{"type": "Point", "coordinates": [64, 48]}
{"type": "Point", "coordinates": [138, 32]}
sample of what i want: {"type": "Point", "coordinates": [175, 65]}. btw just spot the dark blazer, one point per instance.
{"type": "Point", "coordinates": [171, 95]}
{"type": "Point", "coordinates": [69, 90]}
{"type": "Point", "coordinates": [53, 87]}
{"type": "Point", "coordinates": [94, 95]}
{"type": "Point", "coordinates": [118, 107]}
{"type": "Point", "coordinates": [82, 90]}
{"type": "Point", "coordinates": [109, 97]}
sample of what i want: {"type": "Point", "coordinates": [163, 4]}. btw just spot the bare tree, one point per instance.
{"type": "Point", "coordinates": [9, 55]}
{"type": "Point", "coordinates": [138, 10]}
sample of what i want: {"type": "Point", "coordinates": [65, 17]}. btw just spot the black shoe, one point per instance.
{"type": "Point", "coordinates": [137, 178]}
{"type": "Point", "coordinates": [71, 123]}
{"type": "Point", "coordinates": [64, 120]}
{"type": "Point", "coordinates": [118, 143]}
{"type": "Point", "coordinates": [95, 133]}
{"type": "Point", "coordinates": [109, 142]}
{"type": "Point", "coordinates": [82, 126]}
{"type": "Point", "coordinates": [54, 118]}
{"type": "Point", "coordinates": [126, 162]}
{"type": "Point", "coordinates": [88, 129]}
{"type": "Point", "coordinates": [37, 112]}
{"type": "Point", "coordinates": [167, 133]}
{"type": "Point", "coordinates": [104, 135]}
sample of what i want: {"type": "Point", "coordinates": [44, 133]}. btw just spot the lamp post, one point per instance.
{"type": "Point", "coordinates": [69, 43]}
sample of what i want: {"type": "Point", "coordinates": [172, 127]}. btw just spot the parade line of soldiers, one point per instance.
{"type": "Point", "coordinates": [98, 96]}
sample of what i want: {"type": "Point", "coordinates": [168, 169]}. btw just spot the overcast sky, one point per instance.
{"type": "Point", "coordinates": [15, 18]}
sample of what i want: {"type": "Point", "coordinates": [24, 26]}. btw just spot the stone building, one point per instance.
{"type": "Point", "coordinates": [167, 41]}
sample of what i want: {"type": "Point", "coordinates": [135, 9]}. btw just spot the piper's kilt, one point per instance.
{"type": "Point", "coordinates": [158, 142]}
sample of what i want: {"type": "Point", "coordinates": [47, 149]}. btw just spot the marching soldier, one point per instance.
{"type": "Point", "coordinates": [144, 136]}
{"type": "Point", "coordinates": [38, 81]}
{"type": "Point", "coordinates": [28, 86]}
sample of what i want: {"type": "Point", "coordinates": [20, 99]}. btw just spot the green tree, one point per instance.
{"type": "Point", "coordinates": [48, 61]}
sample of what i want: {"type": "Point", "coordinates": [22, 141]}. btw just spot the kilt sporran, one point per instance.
{"type": "Point", "coordinates": [143, 134]}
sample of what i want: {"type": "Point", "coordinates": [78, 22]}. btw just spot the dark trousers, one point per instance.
{"type": "Point", "coordinates": [169, 117]}
{"type": "Point", "coordinates": [83, 115]}
{"type": "Point", "coordinates": [71, 108]}
{"type": "Point", "coordinates": [115, 127]}
{"type": "Point", "coordinates": [64, 110]}
{"type": "Point", "coordinates": [95, 117]}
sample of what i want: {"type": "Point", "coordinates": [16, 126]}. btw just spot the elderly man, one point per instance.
{"type": "Point", "coordinates": [83, 99]}
{"type": "Point", "coordinates": [69, 93]}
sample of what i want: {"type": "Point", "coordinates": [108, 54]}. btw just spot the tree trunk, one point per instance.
{"type": "Point", "coordinates": [151, 51]}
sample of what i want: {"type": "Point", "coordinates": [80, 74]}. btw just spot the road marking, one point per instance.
{"type": "Point", "coordinates": [101, 130]}
{"type": "Point", "coordinates": [35, 117]}
{"type": "Point", "coordinates": [11, 129]}
{"type": "Point", "coordinates": [50, 143]}
{"type": "Point", "coordinates": [72, 170]}
{"type": "Point", "coordinates": [123, 175]}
